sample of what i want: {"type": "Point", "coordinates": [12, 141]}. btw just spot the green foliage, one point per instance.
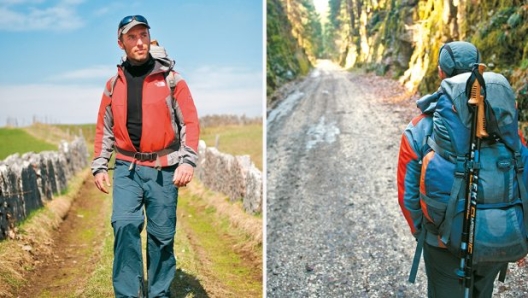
{"type": "Point", "coordinates": [281, 47]}
{"type": "Point", "coordinates": [215, 235]}
{"type": "Point", "coordinates": [515, 20]}
{"type": "Point", "coordinates": [503, 28]}
{"type": "Point", "coordinates": [375, 23]}
{"type": "Point", "coordinates": [16, 140]}
{"type": "Point", "coordinates": [524, 64]}
{"type": "Point", "coordinates": [294, 40]}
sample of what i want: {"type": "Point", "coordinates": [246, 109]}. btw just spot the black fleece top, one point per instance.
{"type": "Point", "coordinates": [135, 75]}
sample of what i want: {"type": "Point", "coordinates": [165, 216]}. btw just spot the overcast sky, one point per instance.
{"type": "Point", "coordinates": [57, 55]}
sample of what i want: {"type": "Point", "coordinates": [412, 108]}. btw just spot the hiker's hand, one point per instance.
{"type": "Point", "coordinates": [183, 175]}
{"type": "Point", "coordinates": [102, 179]}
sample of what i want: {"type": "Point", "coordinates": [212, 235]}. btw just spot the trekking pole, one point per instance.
{"type": "Point", "coordinates": [478, 131]}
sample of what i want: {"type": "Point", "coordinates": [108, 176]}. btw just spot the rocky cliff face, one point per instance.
{"type": "Point", "coordinates": [290, 47]}
{"type": "Point", "coordinates": [402, 38]}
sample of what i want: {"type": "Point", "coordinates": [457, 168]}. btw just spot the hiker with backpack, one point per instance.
{"type": "Point", "coordinates": [465, 204]}
{"type": "Point", "coordinates": [148, 117]}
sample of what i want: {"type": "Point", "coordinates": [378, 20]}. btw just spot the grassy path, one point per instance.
{"type": "Point", "coordinates": [75, 251]}
{"type": "Point", "coordinates": [66, 249]}
{"type": "Point", "coordinates": [218, 249]}
{"type": "Point", "coordinates": [219, 253]}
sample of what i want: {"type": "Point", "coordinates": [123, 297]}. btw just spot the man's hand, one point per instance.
{"type": "Point", "coordinates": [102, 179]}
{"type": "Point", "coordinates": [183, 175]}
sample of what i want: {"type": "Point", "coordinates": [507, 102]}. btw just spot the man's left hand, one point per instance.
{"type": "Point", "coordinates": [183, 175]}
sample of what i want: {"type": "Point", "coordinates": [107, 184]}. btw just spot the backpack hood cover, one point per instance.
{"type": "Point", "coordinates": [427, 104]}
{"type": "Point", "coordinates": [458, 57]}
{"type": "Point", "coordinates": [499, 98]}
{"type": "Point", "coordinates": [159, 54]}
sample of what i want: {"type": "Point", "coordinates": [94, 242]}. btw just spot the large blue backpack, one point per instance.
{"type": "Point", "coordinates": [502, 205]}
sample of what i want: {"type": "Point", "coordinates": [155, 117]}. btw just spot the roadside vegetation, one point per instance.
{"type": "Point", "coordinates": [218, 246]}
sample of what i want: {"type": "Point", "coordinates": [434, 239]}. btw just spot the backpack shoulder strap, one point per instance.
{"type": "Point", "coordinates": [172, 79]}
{"type": "Point", "coordinates": [113, 81]}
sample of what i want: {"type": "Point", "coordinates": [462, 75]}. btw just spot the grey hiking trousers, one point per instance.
{"type": "Point", "coordinates": [442, 281]}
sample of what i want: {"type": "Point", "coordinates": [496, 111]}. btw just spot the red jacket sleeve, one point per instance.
{"type": "Point", "coordinates": [104, 135]}
{"type": "Point", "coordinates": [413, 141]}
{"type": "Point", "coordinates": [190, 126]}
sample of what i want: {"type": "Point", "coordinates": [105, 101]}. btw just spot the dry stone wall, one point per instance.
{"type": "Point", "coordinates": [27, 181]}
{"type": "Point", "coordinates": [235, 176]}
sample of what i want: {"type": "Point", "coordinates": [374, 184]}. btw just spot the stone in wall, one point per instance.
{"type": "Point", "coordinates": [235, 176]}
{"type": "Point", "coordinates": [28, 181]}
{"type": "Point", "coordinates": [253, 199]}
{"type": "Point", "coordinates": [29, 186]}
{"type": "Point", "coordinates": [11, 203]}
{"type": "Point", "coordinates": [76, 154]}
{"type": "Point", "coordinates": [221, 172]}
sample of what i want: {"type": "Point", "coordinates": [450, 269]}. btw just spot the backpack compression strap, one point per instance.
{"type": "Point", "coordinates": [460, 170]}
{"type": "Point", "coordinates": [519, 168]}
{"type": "Point", "coordinates": [417, 255]}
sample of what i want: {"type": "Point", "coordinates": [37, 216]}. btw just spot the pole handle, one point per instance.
{"type": "Point", "coordinates": [476, 99]}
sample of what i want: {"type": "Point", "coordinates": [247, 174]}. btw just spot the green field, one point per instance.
{"type": "Point", "coordinates": [15, 140]}
{"type": "Point", "coordinates": [236, 140]}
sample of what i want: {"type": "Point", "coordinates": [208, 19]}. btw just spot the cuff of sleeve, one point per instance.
{"type": "Point", "coordinates": [188, 162]}
{"type": "Point", "coordinates": [99, 171]}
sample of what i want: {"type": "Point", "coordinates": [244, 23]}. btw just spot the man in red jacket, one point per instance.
{"type": "Point", "coordinates": [153, 128]}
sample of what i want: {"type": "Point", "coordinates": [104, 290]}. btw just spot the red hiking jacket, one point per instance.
{"type": "Point", "coordinates": [170, 123]}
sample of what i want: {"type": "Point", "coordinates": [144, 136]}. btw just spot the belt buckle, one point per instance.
{"type": "Point", "coordinates": [145, 156]}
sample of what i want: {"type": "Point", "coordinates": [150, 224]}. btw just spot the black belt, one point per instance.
{"type": "Point", "coordinates": [148, 156]}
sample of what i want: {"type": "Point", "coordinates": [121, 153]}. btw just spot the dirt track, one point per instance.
{"type": "Point", "coordinates": [63, 270]}
{"type": "Point", "coordinates": [334, 227]}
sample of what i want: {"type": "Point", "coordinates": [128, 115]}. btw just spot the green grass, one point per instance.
{"type": "Point", "coordinates": [100, 282]}
{"type": "Point", "coordinates": [236, 140]}
{"type": "Point", "coordinates": [17, 140]}
{"type": "Point", "coordinates": [87, 130]}
{"type": "Point", "coordinates": [215, 235]}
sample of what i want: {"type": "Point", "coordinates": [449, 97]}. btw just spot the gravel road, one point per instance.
{"type": "Point", "coordinates": [334, 227]}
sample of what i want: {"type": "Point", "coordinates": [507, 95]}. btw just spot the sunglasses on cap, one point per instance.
{"type": "Point", "coordinates": [126, 20]}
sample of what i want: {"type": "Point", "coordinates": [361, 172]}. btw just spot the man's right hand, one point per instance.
{"type": "Point", "coordinates": [101, 179]}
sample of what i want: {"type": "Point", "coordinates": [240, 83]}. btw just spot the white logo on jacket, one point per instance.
{"type": "Point", "coordinates": [160, 84]}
